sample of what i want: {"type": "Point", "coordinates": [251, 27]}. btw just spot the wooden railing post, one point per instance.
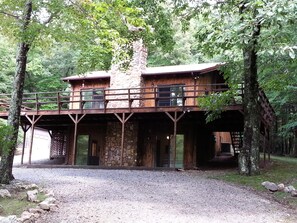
{"type": "Point", "coordinates": [104, 100]}
{"type": "Point", "coordinates": [59, 102]}
{"type": "Point", "coordinates": [129, 100]}
{"type": "Point", "coordinates": [81, 103]}
{"type": "Point", "coordinates": [36, 102]}
{"type": "Point", "coordinates": [155, 98]}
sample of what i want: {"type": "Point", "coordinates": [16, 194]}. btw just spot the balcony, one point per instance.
{"type": "Point", "coordinates": [97, 101]}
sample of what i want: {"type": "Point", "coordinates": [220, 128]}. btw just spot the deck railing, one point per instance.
{"type": "Point", "coordinates": [108, 99]}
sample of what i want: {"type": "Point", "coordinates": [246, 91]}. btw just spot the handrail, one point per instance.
{"type": "Point", "coordinates": [123, 98]}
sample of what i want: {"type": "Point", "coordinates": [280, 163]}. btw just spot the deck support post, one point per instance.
{"type": "Point", "coordinates": [123, 120]}
{"type": "Point", "coordinates": [25, 128]}
{"type": "Point", "coordinates": [175, 119]}
{"type": "Point", "coordinates": [33, 122]}
{"type": "Point", "coordinates": [76, 120]}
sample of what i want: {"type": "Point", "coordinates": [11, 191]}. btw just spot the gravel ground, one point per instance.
{"type": "Point", "coordinates": [95, 195]}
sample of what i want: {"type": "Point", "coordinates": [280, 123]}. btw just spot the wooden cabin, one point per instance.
{"type": "Point", "coordinates": [148, 117]}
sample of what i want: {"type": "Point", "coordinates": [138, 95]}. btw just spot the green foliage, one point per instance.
{"type": "Point", "coordinates": [183, 52]}
{"type": "Point", "coordinates": [7, 65]}
{"type": "Point", "coordinates": [48, 69]}
{"type": "Point", "coordinates": [5, 144]}
{"type": "Point", "coordinates": [160, 38]}
{"type": "Point", "coordinates": [215, 103]}
{"type": "Point", "coordinates": [79, 36]}
{"type": "Point", "coordinates": [222, 32]}
{"type": "Point", "coordinates": [279, 79]}
{"type": "Point", "coordinates": [158, 18]}
{"type": "Point", "coordinates": [92, 27]}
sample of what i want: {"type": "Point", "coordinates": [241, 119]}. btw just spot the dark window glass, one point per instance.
{"type": "Point", "coordinates": [92, 98]}
{"type": "Point", "coordinates": [170, 95]}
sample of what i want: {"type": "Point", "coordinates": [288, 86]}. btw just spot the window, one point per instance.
{"type": "Point", "coordinates": [171, 95]}
{"type": "Point", "coordinates": [92, 98]}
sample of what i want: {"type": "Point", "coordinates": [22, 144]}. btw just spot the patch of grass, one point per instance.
{"type": "Point", "coordinates": [41, 196]}
{"type": "Point", "coordinates": [14, 206]}
{"type": "Point", "coordinates": [17, 203]}
{"type": "Point", "coordinates": [280, 170]}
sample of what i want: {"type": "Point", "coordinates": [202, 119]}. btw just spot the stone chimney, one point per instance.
{"type": "Point", "coordinates": [139, 58]}
{"type": "Point", "coordinates": [130, 78]}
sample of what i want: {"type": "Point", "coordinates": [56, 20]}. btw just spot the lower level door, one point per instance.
{"type": "Point", "coordinates": [178, 153]}
{"type": "Point", "coordinates": [82, 149]}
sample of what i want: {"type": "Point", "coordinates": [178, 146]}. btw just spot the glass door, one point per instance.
{"type": "Point", "coordinates": [179, 153]}
{"type": "Point", "coordinates": [82, 149]}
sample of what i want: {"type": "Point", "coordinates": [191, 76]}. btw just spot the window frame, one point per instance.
{"type": "Point", "coordinates": [171, 95]}
{"type": "Point", "coordinates": [92, 100]}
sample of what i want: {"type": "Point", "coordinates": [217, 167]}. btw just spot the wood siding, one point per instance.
{"type": "Point", "coordinates": [221, 138]}
{"type": "Point", "coordinates": [194, 87]}
{"type": "Point", "coordinates": [77, 86]}
{"type": "Point", "coordinates": [197, 86]}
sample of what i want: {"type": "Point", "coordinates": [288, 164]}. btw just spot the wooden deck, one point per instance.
{"type": "Point", "coordinates": [137, 100]}
{"type": "Point", "coordinates": [133, 100]}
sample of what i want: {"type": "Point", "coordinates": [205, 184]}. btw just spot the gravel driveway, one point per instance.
{"type": "Point", "coordinates": [96, 195]}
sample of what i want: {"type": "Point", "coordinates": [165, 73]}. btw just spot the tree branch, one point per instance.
{"type": "Point", "coordinates": [10, 15]}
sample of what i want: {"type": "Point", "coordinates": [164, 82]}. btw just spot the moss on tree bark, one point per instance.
{"type": "Point", "coordinates": [249, 158]}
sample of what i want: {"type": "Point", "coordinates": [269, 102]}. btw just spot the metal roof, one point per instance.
{"type": "Point", "coordinates": [89, 75]}
{"type": "Point", "coordinates": [201, 68]}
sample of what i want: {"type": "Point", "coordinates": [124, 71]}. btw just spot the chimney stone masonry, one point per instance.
{"type": "Point", "coordinates": [128, 79]}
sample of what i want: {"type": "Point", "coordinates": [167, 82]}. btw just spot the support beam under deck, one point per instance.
{"type": "Point", "coordinates": [25, 128]}
{"type": "Point", "coordinates": [175, 119]}
{"type": "Point", "coordinates": [76, 120]}
{"type": "Point", "coordinates": [33, 121]}
{"type": "Point", "coordinates": [123, 120]}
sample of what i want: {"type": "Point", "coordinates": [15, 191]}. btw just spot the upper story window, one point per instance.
{"type": "Point", "coordinates": [171, 95]}
{"type": "Point", "coordinates": [92, 98]}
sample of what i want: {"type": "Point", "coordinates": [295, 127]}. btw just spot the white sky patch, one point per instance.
{"type": "Point", "coordinates": [43, 15]}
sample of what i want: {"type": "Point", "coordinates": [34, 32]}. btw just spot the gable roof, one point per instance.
{"type": "Point", "coordinates": [200, 68]}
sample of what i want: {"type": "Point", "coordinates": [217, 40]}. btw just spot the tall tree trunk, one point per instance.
{"type": "Point", "coordinates": [249, 158]}
{"type": "Point", "coordinates": [16, 99]}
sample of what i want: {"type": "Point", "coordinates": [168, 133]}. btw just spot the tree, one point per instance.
{"type": "Point", "coordinates": [47, 68]}
{"type": "Point", "coordinates": [87, 24]}
{"type": "Point", "coordinates": [16, 98]}
{"type": "Point", "coordinates": [238, 32]}
{"type": "Point", "coordinates": [279, 80]}
{"type": "Point", "coordinates": [183, 52]}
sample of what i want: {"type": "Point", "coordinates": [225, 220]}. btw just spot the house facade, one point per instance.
{"type": "Point", "coordinates": [142, 116]}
